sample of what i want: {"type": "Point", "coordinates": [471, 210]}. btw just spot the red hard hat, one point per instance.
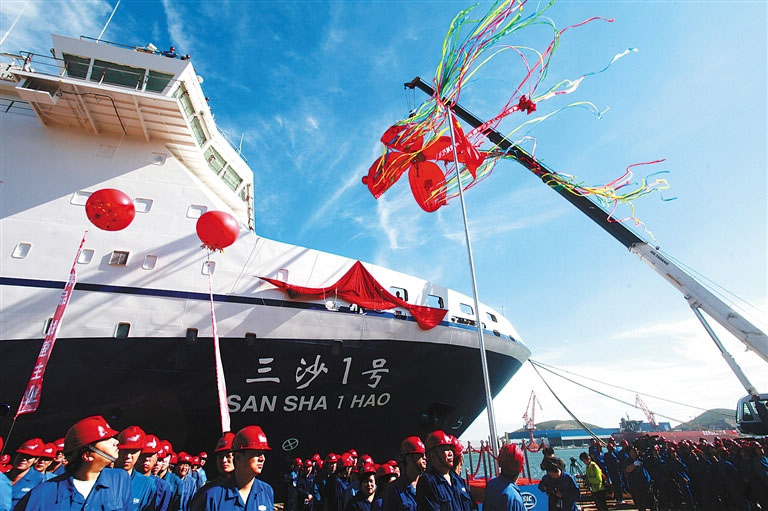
{"type": "Point", "coordinates": [32, 447]}
{"type": "Point", "coordinates": [512, 453]}
{"type": "Point", "coordinates": [184, 458]}
{"type": "Point", "coordinates": [174, 459]}
{"type": "Point", "coordinates": [316, 457]}
{"type": "Point", "coordinates": [196, 461]}
{"type": "Point", "coordinates": [365, 470]}
{"type": "Point", "coordinates": [365, 459]}
{"type": "Point", "coordinates": [353, 453]}
{"type": "Point", "coordinates": [203, 455]}
{"type": "Point", "coordinates": [5, 458]}
{"type": "Point", "coordinates": [412, 445]}
{"type": "Point", "coordinates": [151, 445]}
{"type": "Point", "coordinates": [347, 460]}
{"type": "Point", "coordinates": [87, 431]}
{"type": "Point", "coordinates": [438, 438]}
{"type": "Point", "coordinates": [131, 438]}
{"type": "Point", "coordinates": [250, 437]}
{"type": "Point", "coordinates": [298, 462]}
{"type": "Point", "coordinates": [331, 458]}
{"type": "Point", "coordinates": [385, 470]}
{"type": "Point", "coordinates": [59, 444]}
{"type": "Point", "coordinates": [308, 463]}
{"type": "Point", "coordinates": [225, 442]}
{"type": "Point", "coordinates": [457, 447]}
{"type": "Point", "coordinates": [49, 451]}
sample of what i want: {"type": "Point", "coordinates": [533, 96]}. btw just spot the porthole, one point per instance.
{"type": "Point", "coordinates": [79, 198]}
{"type": "Point", "coordinates": [467, 309]}
{"type": "Point", "coordinates": [191, 336]}
{"type": "Point", "coordinates": [86, 256]}
{"type": "Point", "coordinates": [142, 205]}
{"type": "Point", "coordinates": [196, 211]}
{"type": "Point", "coordinates": [435, 301]}
{"type": "Point", "coordinates": [492, 317]}
{"type": "Point", "coordinates": [122, 330]}
{"type": "Point", "coordinates": [47, 326]}
{"type": "Point", "coordinates": [118, 258]}
{"type": "Point", "coordinates": [150, 261]}
{"type": "Point", "coordinates": [21, 251]}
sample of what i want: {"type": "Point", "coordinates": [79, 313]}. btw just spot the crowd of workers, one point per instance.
{"type": "Point", "coordinates": [96, 467]}
{"type": "Point", "coordinates": [721, 475]}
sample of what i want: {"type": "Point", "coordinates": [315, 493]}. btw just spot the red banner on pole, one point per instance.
{"type": "Point", "coordinates": [221, 384]}
{"type": "Point", "coordinates": [31, 398]}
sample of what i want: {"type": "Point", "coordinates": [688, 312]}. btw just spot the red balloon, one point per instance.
{"type": "Point", "coordinates": [217, 229]}
{"type": "Point", "coordinates": [110, 209]}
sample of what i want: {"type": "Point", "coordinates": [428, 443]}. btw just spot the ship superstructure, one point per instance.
{"type": "Point", "coordinates": [135, 344]}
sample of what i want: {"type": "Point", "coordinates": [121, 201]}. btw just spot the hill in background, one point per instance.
{"type": "Point", "coordinates": [560, 424]}
{"type": "Point", "coordinates": [718, 418]}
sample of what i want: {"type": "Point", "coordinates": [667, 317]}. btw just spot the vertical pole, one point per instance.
{"type": "Point", "coordinates": [527, 463]}
{"type": "Point", "coordinates": [481, 341]}
{"type": "Point", "coordinates": [108, 20]}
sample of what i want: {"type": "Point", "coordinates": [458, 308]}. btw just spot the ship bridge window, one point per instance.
{"type": "Point", "coordinates": [119, 258]}
{"type": "Point", "coordinates": [215, 160]}
{"type": "Point", "coordinates": [467, 309]}
{"type": "Point", "coordinates": [21, 251]}
{"type": "Point", "coordinates": [157, 81]}
{"type": "Point", "coordinates": [77, 67]}
{"type": "Point", "coordinates": [492, 317]}
{"type": "Point", "coordinates": [117, 74]}
{"type": "Point", "coordinates": [231, 178]}
{"type": "Point", "coordinates": [197, 129]}
{"type": "Point", "coordinates": [186, 103]}
{"type": "Point", "coordinates": [435, 301]}
{"type": "Point", "coordinates": [245, 193]}
{"type": "Point", "coordinates": [150, 261]}
{"type": "Point", "coordinates": [399, 292]}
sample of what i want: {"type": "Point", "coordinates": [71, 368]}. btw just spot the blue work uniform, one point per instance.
{"type": "Point", "coordinates": [502, 494]}
{"type": "Point", "coordinates": [225, 496]}
{"type": "Point", "coordinates": [569, 492]}
{"type": "Point", "coordinates": [360, 503]}
{"type": "Point", "coordinates": [5, 494]}
{"type": "Point", "coordinates": [112, 491]}
{"type": "Point", "coordinates": [399, 496]}
{"type": "Point", "coordinates": [24, 485]}
{"type": "Point", "coordinates": [143, 492]}
{"type": "Point", "coordinates": [350, 491]}
{"type": "Point", "coordinates": [614, 473]}
{"type": "Point", "coordinates": [200, 477]}
{"type": "Point", "coordinates": [305, 488]}
{"type": "Point", "coordinates": [184, 493]}
{"type": "Point", "coordinates": [163, 493]}
{"type": "Point", "coordinates": [433, 493]}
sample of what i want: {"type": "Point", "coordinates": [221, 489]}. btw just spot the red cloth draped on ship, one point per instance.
{"type": "Point", "coordinates": [359, 287]}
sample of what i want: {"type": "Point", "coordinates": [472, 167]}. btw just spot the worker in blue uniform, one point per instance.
{"type": "Point", "coordinates": [560, 487]}
{"type": "Point", "coordinates": [306, 491]}
{"type": "Point", "coordinates": [87, 484]}
{"type": "Point", "coordinates": [439, 488]}
{"type": "Point", "coordinates": [23, 476]}
{"type": "Point", "coordinates": [639, 481]}
{"type": "Point", "coordinates": [502, 493]}
{"type": "Point", "coordinates": [143, 489]}
{"type": "Point", "coordinates": [187, 484]}
{"type": "Point", "coordinates": [324, 477]}
{"type": "Point", "coordinates": [5, 488]}
{"type": "Point", "coordinates": [364, 500]}
{"type": "Point", "coordinates": [611, 461]}
{"type": "Point", "coordinates": [146, 464]}
{"type": "Point", "coordinates": [401, 494]}
{"type": "Point", "coordinates": [57, 467]}
{"type": "Point", "coordinates": [242, 491]}
{"type": "Point", "coordinates": [341, 483]}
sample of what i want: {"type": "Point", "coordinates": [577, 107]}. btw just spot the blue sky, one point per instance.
{"type": "Point", "coordinates": [311, 86]}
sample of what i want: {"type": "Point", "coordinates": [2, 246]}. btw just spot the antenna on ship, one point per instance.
{"type": "Point", "coordinates": [240, 147]}
{"type": "Point", "coordinates": [108, 20]}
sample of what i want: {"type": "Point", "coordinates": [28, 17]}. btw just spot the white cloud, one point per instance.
{"type": "Point", "coordinates": [177, 30]}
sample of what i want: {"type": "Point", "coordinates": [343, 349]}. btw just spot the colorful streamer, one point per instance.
{"type": "Point", "coordinates": [419, 145]}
